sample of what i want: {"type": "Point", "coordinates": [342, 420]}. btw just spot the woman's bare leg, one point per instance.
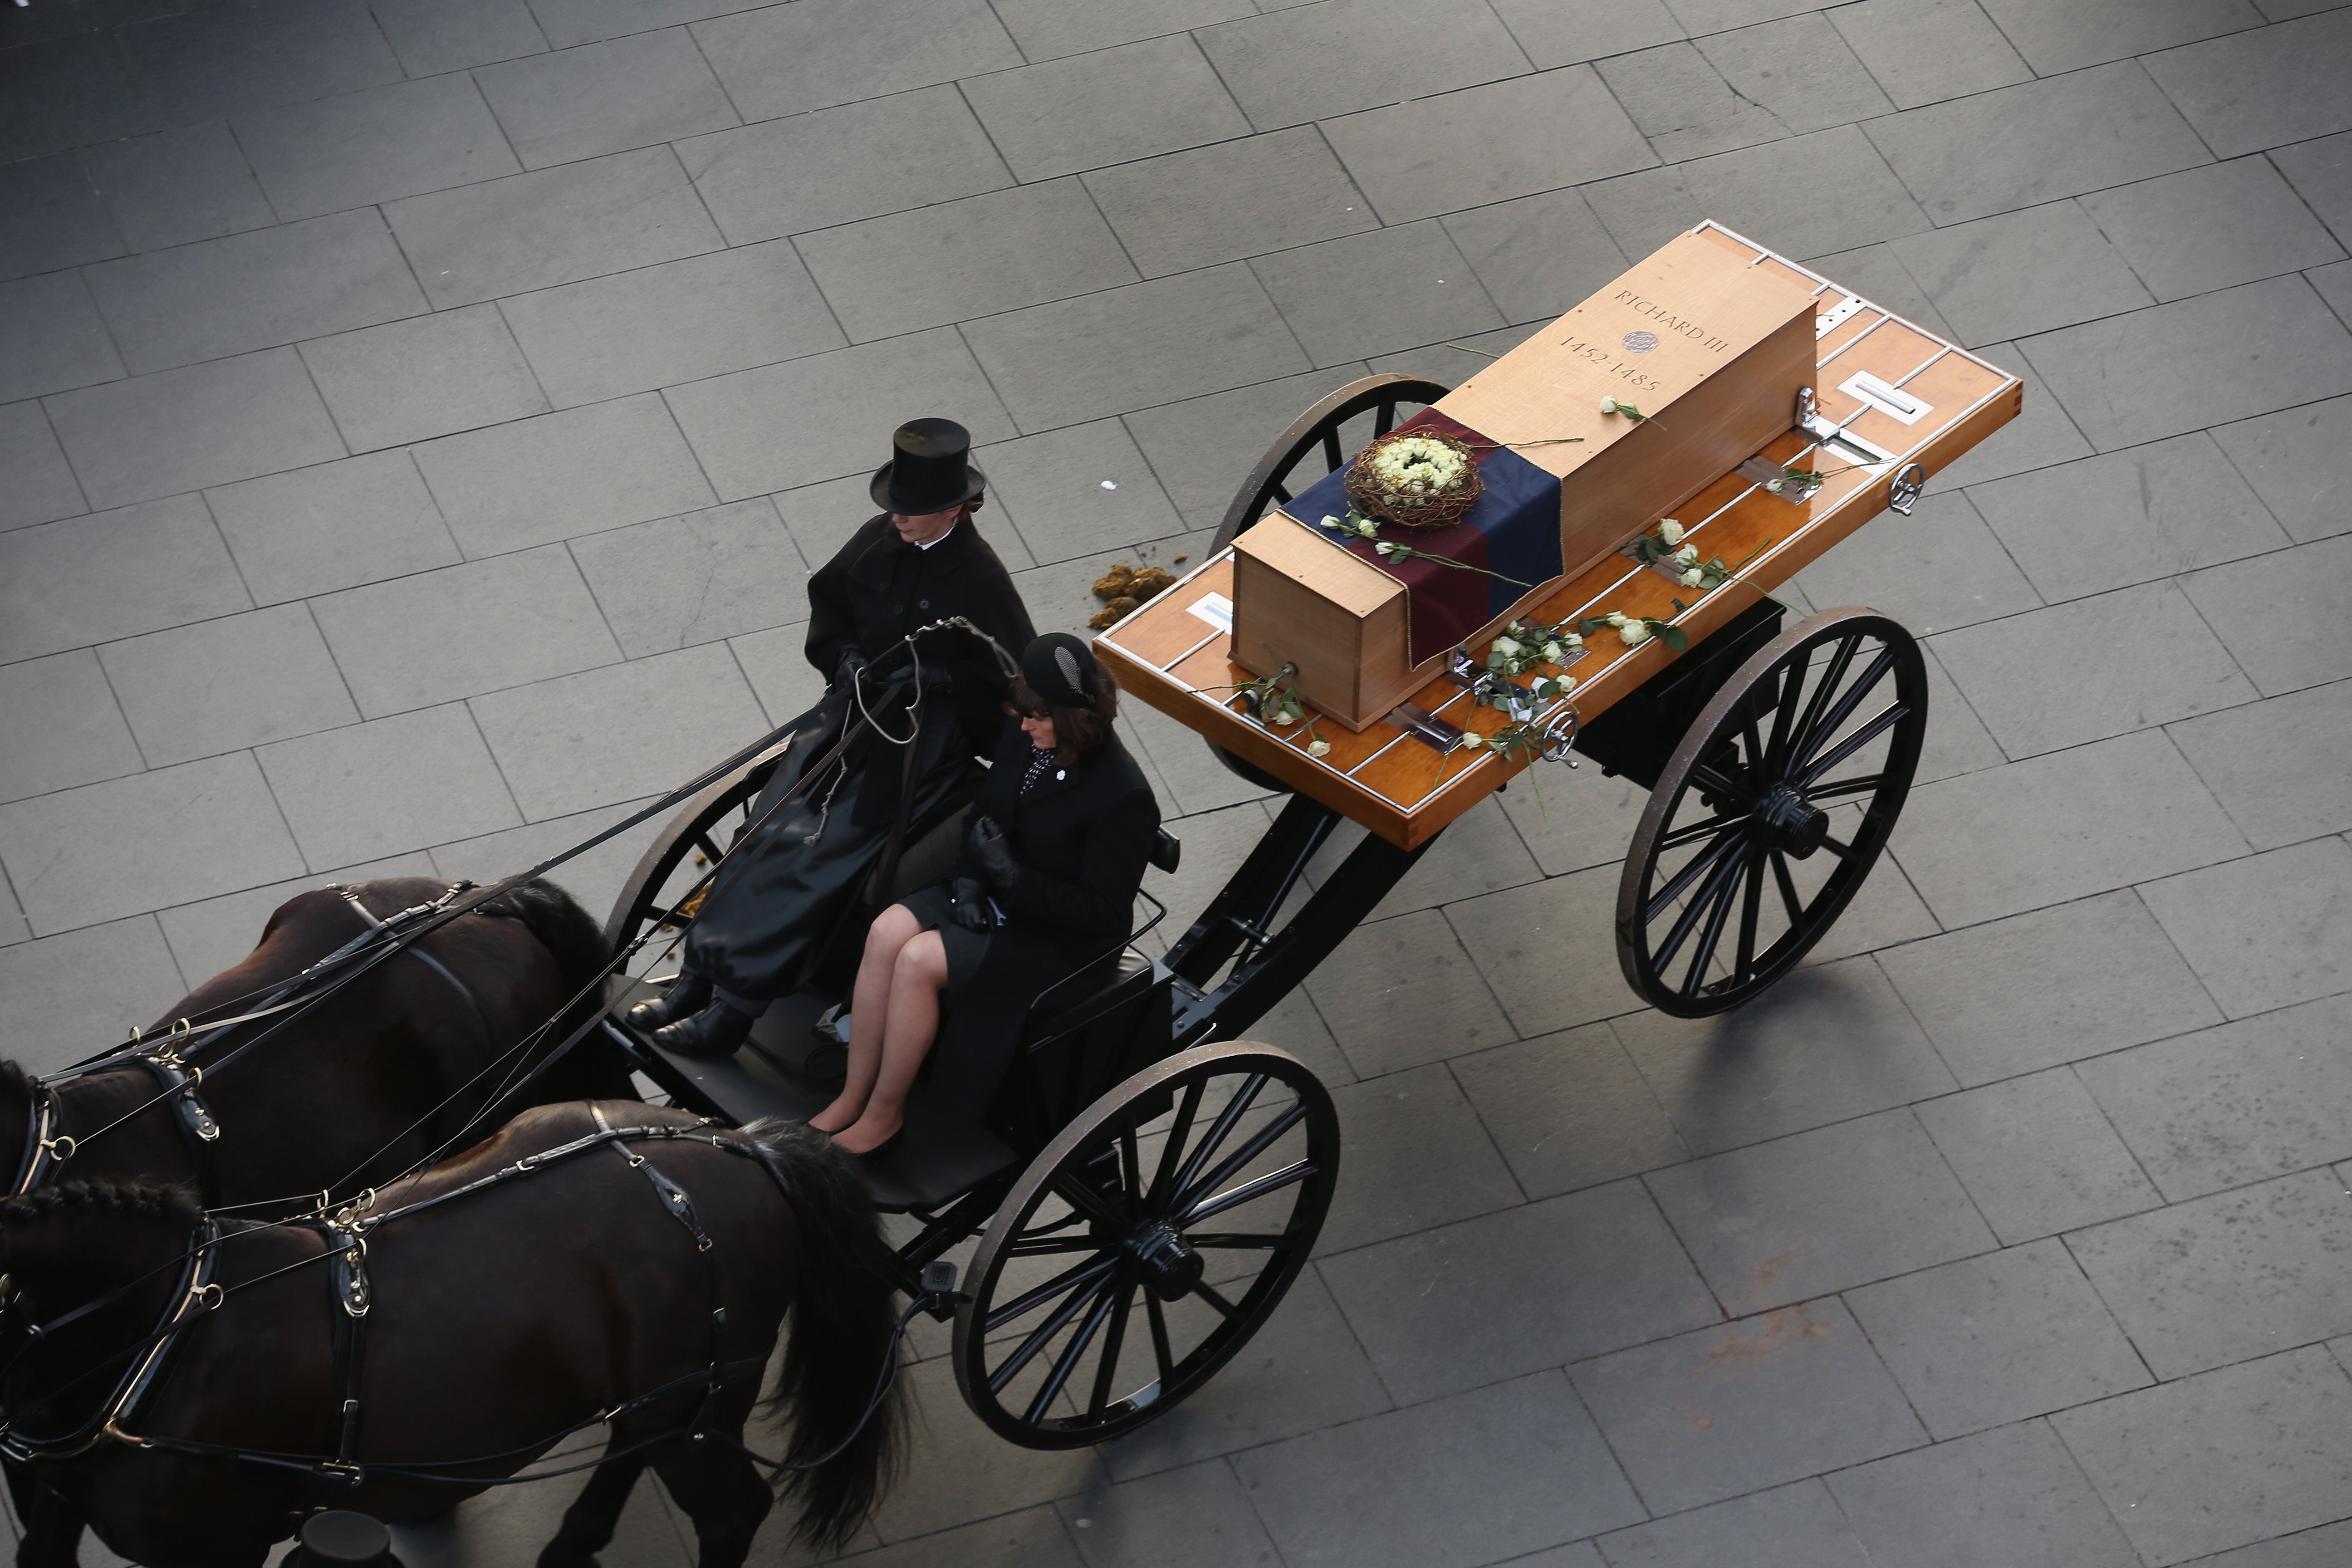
{"type": "Point", "coordinates": [916, 979]}
{"type": "Point", "coordinates": [870, 1006]}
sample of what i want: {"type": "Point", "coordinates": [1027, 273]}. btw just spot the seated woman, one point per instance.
{"type": "Point", "coordinates": [1046, 884]}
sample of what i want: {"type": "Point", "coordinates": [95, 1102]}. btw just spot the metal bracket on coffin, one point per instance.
{"type": "Point", "coordinates": [1425, 727]}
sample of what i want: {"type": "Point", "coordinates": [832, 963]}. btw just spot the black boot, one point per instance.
{"type": "Point", "coordinates": [715, 1031]}
{"type": "Point", "coordinates": [688, 996]}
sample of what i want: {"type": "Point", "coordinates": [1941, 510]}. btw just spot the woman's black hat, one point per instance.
{"type": "Point", "coordinates": [930, 468]}
{"type": "Point", "coordinates": [1061, 669]}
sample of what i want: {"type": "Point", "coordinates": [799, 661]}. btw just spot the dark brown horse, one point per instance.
{"type": "Point", "coordinates": [349, 1093]}
{"type": "Point", "coordinates": [654, 1261]}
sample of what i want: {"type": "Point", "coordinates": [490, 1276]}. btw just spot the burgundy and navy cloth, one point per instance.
{"type": "Point", "coordinates": [1514, 529]}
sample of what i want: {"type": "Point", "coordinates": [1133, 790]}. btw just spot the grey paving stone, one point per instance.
{"type": "Point", "coordinates": [2262, 88]}
{"type": "Point", "coordinates": [508, 1523]}
{"type": "Point", "coordinates": [84, 991]}
{"type": "Point", "coordinates": [464, 630]}
{"type": "Point", "coordinates": [1568, 32]}
{"type": "Point", "coordinates": [2321, 172]}
{"type": "Point", "coordinates": [1195, 780]}
{"type": "Point", "coordinates": [842, 405]}
{"type": "Point", "coordinates": [2289, 585]}
{"type": "Point", "coordinates": [1588, 822]}
{"type": "Point", "coordinates": [182, 185]}
{"type": "Point", "coordinates": [2265, 931]}
{"type": "Point", "coordinates": [220, 685]}
{"type": "Point", "coordinates": [1940, 567]}
{"type": "Point", "coordinates": [1788, 1527]}
{"type": "Point", "coordinates": [374, 146]}
{"type": "Point", "coordinates": [552, 225]}
{"type": "Point", "coordinates": [1108, 107]}
{"type": "Point", "coordinates": [67, 92]}
{"type": "Point", "coordinates": [434, 36]}
{"type": "Point", "coordinates": [605, 98]}
{"type": "Point", "coordinates": [1239, 198]}
{"type": "Point", "coordinates": [1195, 1515]}
{"type": "Point", "coordinates": [2037, 1155]}
{"type": "Point", "coordinates": [1797, 70]}
{"type": "Point", "coordinates": [2042, 433]}
{"type": "Point", "coordinates": [570, 22]}
{"type": "Point", "coordinates": [594, 878]}
{"type": "Point", "coordinates": [1178, 337]}
{"type": "Point", "coordinates": [2334, 283]}
{"type": "Point", "coordinates": [59, 726]}
{"type": "Point", "coordinates": [2133, 657]}
{"type": "Point", "coordinates": [1505, 1468]}
{"type": "Point", "coordinates": [1878, 275]}
{"type": "Point", "coordinates": [841, 164]}
{"type": "Point", "coordinates": [2009, 1499]}
{"type": "Point", "coordinates": [822, 518]}
{"type": "Point", "coordinates": [1402, 992]}
{"type": "Point", "coordinates": [1924, 51]}
{"type": "Point", "coordinates": [2258, 347]}
{"type": "Point", "coordinates": [2210, 228]}
{"type": "Point", "coordinates": [1747, 1405]}
{"type": "Point", "coordinates": [1701, 17]}
{"type": "Point", "coordinates": [2055, 39]}
{"type": "Point", "coordinates": [210, 935]}
{"type": "Point", "coordinates": [779, 671]}
{"type": "Point", "coordinates": [2282, 768]}
{"type": "Point", "coordinates": [988, 253]}
{"type": "Point", "coordinates": [1052, 484]}
{"type": "Point", "coordinates": [1491, 144]}
{"type": "Point", "coordinates": [86, 579]}
{"type": "Point", "coordinates": [2305, 1549]}
{"type": "Point", "coordinates": [2229, 1278]}
{"type": "Point", "coordinates": [1990, 1341]}
{"type": "Point", "coordinates": [1529, 1288]}
{"type": "Point", "coordinates": [1366, 294]}
{"type": "Point", "coordinates": [2130, 516]}
{"type": "Point", "coordinates": [98, 853]}
{"type": "Point", "coordinates": [1759, 191]}
{"type": "Point", "coordinates": [1483, 854]}
{"type": "Point", "coordinates": [1830, 1042]}
{"type": "Point", "coordinates": [388, 786]}
{"type": "Point", "coordinates": [52, 216]}
{"type": "Point", "coordinates": [1034, 1535]}
{"type": "Point", "coordinates": [1304, 1371]}
{"type": "Point", "coordinates": [1048, 29]}
{"type": "Point", "coordinates": [1417, 1158]}
{"type": "Point", "coordinates": [1540, 256]}
{"type": "Point", "coordinates": [2058, 827]}
{"type": "Point", "coordinates": [1684, 106]}
{"type": "Point", "coordinates": [698, 578]}
{"type": "Point", "coordinates": [2221, 1460]}
{"type": "Point", "coordinates": [51, 337]}
{"type": "Point", "coordinates": [37, 483]}
{"type": "Point", "coordinates": [2257, 1097]}
{"type": "Point", "coordinates": [220, 60]}
{"type": "Point", "coordinates": [2023, 273]}
{"type": "Point", "coordinates": [528, 481]}
{"type": "Point", "coordinates": [1547, 950]}
{"type": "Point", "coordinates": [975, 1472]}
{"type": "Point", "coordinates": [313, 530]}
{"type": "Point", "coordinates": [1826, 1210]}
{"type": "Point", "coordinates": [788, 60]}
{"type": "Point", "coordinates": [677, 321]}
{"type": "Point", "coordinates": [1203, 447]}
{"type": "Point", "coordinates": [2036, 141]}
{"type": "Point", "coordinates": [2290, 459]}
{"type": "Point", "coordinates": [1061, 596]}
{"type": "Point", "coordinates": [1314, 62]}
{"type": "Point", "coordinates": [254, 290]}
{"type": "Point", "coordinates": [1956, 742]}
{"type": "Point", "coordinates": [619, 732]}
{"type": "Point", "coordinates": [426, 376]}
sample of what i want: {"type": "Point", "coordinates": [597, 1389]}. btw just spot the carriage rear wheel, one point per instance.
{"type": "Point", "coordinates": [1145, 1244]}
{"type": "Point", "coordinates": [689, 844]}
{"type": "Point", "coordinates": [1772, 812]}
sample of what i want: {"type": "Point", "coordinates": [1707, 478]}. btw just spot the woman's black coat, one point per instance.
{"type": "Point", "coordinates": [1082, 838]}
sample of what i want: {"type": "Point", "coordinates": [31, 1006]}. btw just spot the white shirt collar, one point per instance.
{"type": "Point", "coordinates": [942, 539]}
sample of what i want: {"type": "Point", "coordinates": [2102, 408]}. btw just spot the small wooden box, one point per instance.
{"type": "Point", "coordinates": [1711, 346]}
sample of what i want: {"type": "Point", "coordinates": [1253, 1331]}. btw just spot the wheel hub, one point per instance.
{"type": "Point", "coordinates": [1167, 1262]}
{"type": "Point", "coordinates": [1791, 824]}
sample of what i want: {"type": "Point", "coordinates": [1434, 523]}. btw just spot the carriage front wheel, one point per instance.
{"type": "Point", "coordinates": [1145, 1244]}
{"type": "Point", "coordinates": [1772, 812]}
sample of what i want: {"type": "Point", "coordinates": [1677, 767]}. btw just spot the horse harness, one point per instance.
{"type": "Point", "coordinates": [345, 1233]}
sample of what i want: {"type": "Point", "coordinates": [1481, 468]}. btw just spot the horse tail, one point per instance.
{"type": "Point", "coordinates": [572, 938]}
{"type": "Point", "coordinates": [843, 1336]}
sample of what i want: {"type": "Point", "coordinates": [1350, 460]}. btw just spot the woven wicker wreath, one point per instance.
{"type": "Point", "coordinates": [1409, 488]}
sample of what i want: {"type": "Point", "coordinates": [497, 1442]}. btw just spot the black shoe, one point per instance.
{"type": "Point", "coordinates": [716, 1031]}
{"type": "Point", "coordinates": [688, 996]}
{"type": "Point", "coordinates": [885, 1148]}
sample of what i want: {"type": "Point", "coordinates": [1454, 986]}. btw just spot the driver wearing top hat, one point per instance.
{"type": "Point", "coordinates": [770, 911]}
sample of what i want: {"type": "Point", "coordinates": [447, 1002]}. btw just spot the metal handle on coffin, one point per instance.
{"type": "Point", "coordinates": [1903, 490]}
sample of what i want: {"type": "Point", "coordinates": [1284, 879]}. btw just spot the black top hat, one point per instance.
{"type": "Point", "coordinates": [1061, 669]}
{"type": "Point", "coordinates": [930, 468]}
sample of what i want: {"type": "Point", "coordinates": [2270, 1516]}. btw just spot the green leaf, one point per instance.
{"type": "Point", "coordinates": [1674, 638]}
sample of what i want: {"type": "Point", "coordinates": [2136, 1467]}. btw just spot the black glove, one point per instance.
{"type": "Point", "coordinates": [970, 906]}
{"type": "Point", "coordinates": [995, 853]}
{"type": "Point", "coordinates": [937, 682]}
{"type": "Point", "coordinates": [852, 661]}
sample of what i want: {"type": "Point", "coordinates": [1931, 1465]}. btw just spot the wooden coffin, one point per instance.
{"type": "Point", "coordinates": [1711, 346]}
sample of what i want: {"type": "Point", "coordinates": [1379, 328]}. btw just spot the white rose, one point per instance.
{"type": "Point", "coordinates": [1693, 578]}
{"type": "Point", "coordinates": [1608, 405]}
{"type": "Point", "coordinates": [1472, 741]}
{"type": "Point", "coordinates": [1318, 748]}
{"type": "Point", "coordinates": [1572, 640]}
{"type": "Point", "coordinates": [1367, 529]}
{"type": "Point", "coordinates": [1506, 647]}
{"type": "Point", "coordinates": [1687, 555]}
{"type": "Point", "coordinates": [1671, 531]}
{"type": "Point", "coordinates": [1330, 521]}
{"type": "Point", "coordinates": [1615, 619]}
{"type": "Point", "coordinates": [1384, 547]}
{"type": "Point", "coordinates": [1554, 653]}
{"type": "Point", "coordinates": [1286, 717]}
{"type": "Point", "coordinates": [1633, 634]}
{"type": "Point", "coordinates": [1775, 485]}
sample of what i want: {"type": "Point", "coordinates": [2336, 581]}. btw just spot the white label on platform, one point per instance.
{"type": "Point", "coordinates": [1215, 609]}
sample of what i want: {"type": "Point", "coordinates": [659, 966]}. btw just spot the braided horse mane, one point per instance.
{"type": "Point", "coordinates": [124, 1197]}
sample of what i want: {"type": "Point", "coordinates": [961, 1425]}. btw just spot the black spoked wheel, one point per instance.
{"type": "Point", "coordinates": [1145, 1244]}
{"type": "Point", "coordinates": [1772, 812]}
{"type": "Point", "coordinates": [689, 844]}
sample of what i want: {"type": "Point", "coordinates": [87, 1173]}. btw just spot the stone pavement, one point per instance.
{"type": "Point", "coordinates": [417, 421]}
